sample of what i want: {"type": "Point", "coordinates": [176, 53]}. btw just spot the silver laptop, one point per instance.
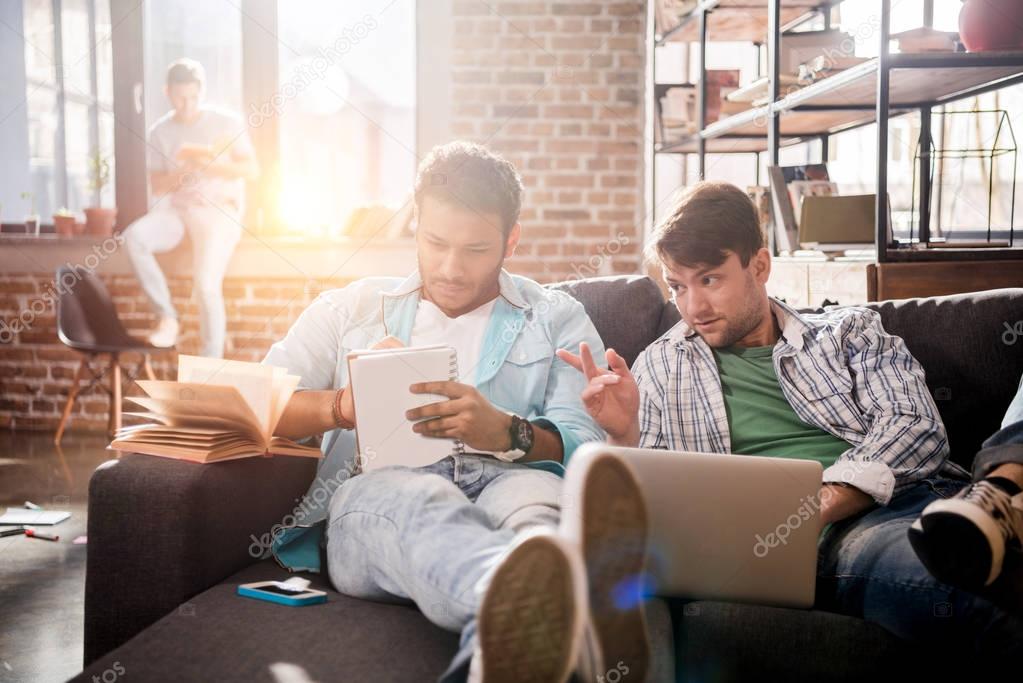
{"type": "Point", "coordinates": [737, 528]}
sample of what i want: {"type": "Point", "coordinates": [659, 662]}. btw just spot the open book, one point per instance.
{"type": "Point", "coordinates": [380, 382]}
{"type": "Point", "coordinates": [217, 410]}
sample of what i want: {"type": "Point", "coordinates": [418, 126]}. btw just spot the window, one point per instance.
{"type": "Point", "coordinates": [57, 109]}
{"type": "Point", "coordinates": [333, 118]}
{"type": "Point", "coordinates": [346, 102]}
{"type": "Point", "coordinates": [208, 32]}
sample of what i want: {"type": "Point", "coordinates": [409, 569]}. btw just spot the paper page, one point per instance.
{"type": "Point", "coordinates": [283, 388]}
{"type": "Point", "coordinates": [199, 401]}
{"type": "Point", "coordinates": [252, 380]}
{"type": "Point", "coordinates": [33, 517]}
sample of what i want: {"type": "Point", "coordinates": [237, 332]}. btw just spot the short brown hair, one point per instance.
{"type": "Point", "coordinates": [186, 71]}
{"type": "Point", "coordinates": [471, 176]}
{"type": "Point", "coordinates": [708, 221]}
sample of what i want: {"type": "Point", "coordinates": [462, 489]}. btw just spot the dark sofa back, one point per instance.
{"type": "Point", "coordinates": [970, 345]}
{"type": "Point", "coordinates": [626, 310]}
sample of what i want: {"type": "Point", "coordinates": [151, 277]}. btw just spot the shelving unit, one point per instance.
{"type": "Point", "coordinates": [872, 92]}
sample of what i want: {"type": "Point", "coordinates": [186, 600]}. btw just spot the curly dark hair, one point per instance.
{"type": "Point", "coordinates": [471, 176]}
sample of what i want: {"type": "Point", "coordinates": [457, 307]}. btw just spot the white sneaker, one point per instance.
{"type": "Point", "coordinates": [166, 333]}
{"type": "Point", "coordinates": [603, 512]}
{"type": "Point", "coordinates": [962, 540]}
{"type": "Point", "coordinates": [533, 613]}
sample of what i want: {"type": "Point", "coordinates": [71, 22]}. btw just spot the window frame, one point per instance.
{"type": "Point", "coordinates": [61, 97]}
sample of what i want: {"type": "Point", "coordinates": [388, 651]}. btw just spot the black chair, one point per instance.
{"type": "Point", "coordinates": [87, 322]}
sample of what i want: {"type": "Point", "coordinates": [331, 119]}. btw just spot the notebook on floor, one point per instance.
{"type": "Point", "coordinates": [380, 382]}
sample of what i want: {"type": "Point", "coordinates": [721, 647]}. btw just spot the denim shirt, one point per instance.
{"type": "Point", "coordinates": [518, 372]}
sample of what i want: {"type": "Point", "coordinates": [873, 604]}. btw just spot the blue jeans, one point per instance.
{"type": "Point", "coordinates": [867, 568]}
{"type": "Point", "coordinates": [429, 534]}
{"type": "Point", "coordinates": [1005, 445]}
{"type": "Point", "coordinates": [214, 232]}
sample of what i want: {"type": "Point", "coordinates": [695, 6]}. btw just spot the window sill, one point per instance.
{"type": "Point", "coordinates": [262, 256]}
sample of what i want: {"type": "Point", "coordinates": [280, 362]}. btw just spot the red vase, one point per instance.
{"type": "Point", "coordinates": [986, 25]}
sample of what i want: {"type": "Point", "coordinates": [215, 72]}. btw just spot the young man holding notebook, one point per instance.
{"type": "Point", "coordinates": [473, 538]}
{"type": "Point", "coordinates": [745, 373]}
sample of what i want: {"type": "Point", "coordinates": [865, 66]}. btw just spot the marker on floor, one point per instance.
{"type": "Point", "coordinates": [32, 533]}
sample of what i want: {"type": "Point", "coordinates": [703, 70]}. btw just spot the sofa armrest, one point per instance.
{"type": "Point", "coordinates": [162, 530]}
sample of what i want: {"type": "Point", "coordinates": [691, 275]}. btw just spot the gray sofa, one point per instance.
{"type": "Point", "coordinates": [169, 542]}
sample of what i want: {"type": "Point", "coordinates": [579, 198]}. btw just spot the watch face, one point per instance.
{"type": "Point", "coordinates": [525, 435]}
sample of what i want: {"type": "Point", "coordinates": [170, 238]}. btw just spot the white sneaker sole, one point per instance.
{"type": "Point", "coordinates": [533, 613]}
{"type": "Point", "coordinates": [605, 513]}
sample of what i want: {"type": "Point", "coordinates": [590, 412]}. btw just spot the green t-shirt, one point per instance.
{"type": "Point", "coordinates": [760, 419]}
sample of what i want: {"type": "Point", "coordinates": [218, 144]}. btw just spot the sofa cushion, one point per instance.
{"type": "Point", "coordinates": [626, 310]}
{"type": "Point", "coordinates": [221, 636]}
{"type": "Point", "coordinates": [722, 642]}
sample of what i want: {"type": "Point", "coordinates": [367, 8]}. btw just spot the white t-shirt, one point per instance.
{"type": "Point", "coordinates": [224, 132]}
{"type": "Point", "coordinates": [464, 333]}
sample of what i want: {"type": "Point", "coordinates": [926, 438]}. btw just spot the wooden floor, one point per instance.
{"type": "Point", "coordinates": [42, 582]}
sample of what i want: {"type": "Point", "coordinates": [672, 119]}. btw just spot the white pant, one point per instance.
{"type": "Point", "coordinates": [214, 232]}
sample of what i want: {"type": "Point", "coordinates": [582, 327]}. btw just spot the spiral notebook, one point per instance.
{"type": "Point", "coordinates": [380, 382]}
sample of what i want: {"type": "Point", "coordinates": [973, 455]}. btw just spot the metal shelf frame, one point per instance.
{"type": "Point", "coordinates": [1005, 69]}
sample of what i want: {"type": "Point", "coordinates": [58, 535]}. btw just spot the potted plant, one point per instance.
{"type": "Point", "coordinates": [64, 222]}
{"type": "Point", "coordinates": [32, 219]}
{"type": "Point", "coordinates": [99, 221]}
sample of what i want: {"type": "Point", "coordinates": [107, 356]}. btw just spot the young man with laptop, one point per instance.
{"type": "Point", "coordinates": [489, 542]}
{"type": "Point", "coordinates": [745, 373]}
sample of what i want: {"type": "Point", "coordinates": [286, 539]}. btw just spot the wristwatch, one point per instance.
{"type": "Point", "coordinates": [521, 433]}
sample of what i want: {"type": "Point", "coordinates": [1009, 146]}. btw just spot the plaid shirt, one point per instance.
{"type": "Point", "coordinates": [839, 370]}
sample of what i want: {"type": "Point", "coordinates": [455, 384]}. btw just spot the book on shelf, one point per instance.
{"type": "Point", "coordinates": [216, 410]}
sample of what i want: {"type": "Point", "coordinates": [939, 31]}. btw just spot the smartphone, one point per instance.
{"type": "Point", "coordinates": [277, 591]}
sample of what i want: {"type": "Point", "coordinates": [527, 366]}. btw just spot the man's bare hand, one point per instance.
{"type": "Point", "coordinates": [611, 397]}
{"type": "Point", "coordinates": [839, 502]}
{"type": "Point", "coordinates": [466, 415]}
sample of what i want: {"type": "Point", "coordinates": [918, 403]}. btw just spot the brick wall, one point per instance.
{"type": "Point", "coordinates": [36, 370]}
{"type": "Point", "coordinates": [557, 87]}
{"type": "Point", "coordinates": [554, 86]}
